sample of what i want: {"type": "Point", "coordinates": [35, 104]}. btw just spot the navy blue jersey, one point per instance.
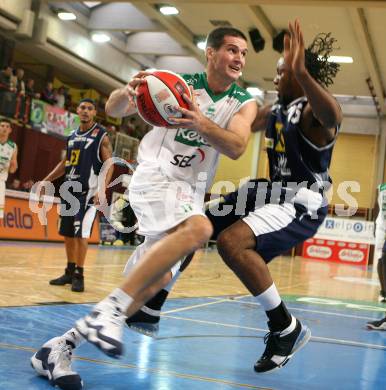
{"type": "Point", "coordinates": [83, 162]}
{"type": "Point", "coordinates": [293, 158]}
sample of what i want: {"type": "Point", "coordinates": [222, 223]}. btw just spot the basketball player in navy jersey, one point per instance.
{"type": "Point", "coordinates": [87, 148]}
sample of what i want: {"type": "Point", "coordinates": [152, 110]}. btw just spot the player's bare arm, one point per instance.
{"type": "Point", "coordinates": [13, 163]}
{"type": "Point", "coordinates": [121, 102]}
{"type": "Point", "coordinates": [322, 105]}
{"type": "Point", "coordinates": [57, 172]}
{"type": "Point", "coordinates": [106, 152]}
{"type": "Point", "coordinates": [232, 142]}
{"type": "Point", "coordinates": [261, 119]}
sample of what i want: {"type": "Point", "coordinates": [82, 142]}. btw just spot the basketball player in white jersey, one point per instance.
{"type": "Point", "coordinates": [167, 191]}
{"type": "Point", "coordinates": [8, 159]}
{"type": "Point", "coordinates": [176, 166]}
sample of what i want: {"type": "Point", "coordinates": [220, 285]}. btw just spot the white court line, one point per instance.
{"type": "Point", "coordinates": [310, 310]}
{"type": "Point", "coordinates": [237, 300]}
{"type": "Point", "coordinates": [216, 323]}
{"type": "Point", "coordinates": [314, 338]}
{"type": "Point", "coordinates": [194, 306]}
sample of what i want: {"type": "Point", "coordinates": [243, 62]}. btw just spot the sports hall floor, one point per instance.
{"type": "Point", "coordinates": [211, 332]}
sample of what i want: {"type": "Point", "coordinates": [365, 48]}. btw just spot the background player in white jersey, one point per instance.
{"type": "Point", "coordinates": [87, 148]}
{"type": "Point", "coordinates": [380, 240]}
{"type": "Point", "coordinates": [218, 121]}
{"type": "Point", "coordinates": [8, 159]}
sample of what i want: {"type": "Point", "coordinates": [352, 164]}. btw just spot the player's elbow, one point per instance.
{"type": "Point", "coordinates": [332, 118]}
{"type": "Point", "coordinates": [338, 118]}
{"type": "Point", "coordinates": [109, 110]}
{"type": "Point", "coordinates": [237, 151]}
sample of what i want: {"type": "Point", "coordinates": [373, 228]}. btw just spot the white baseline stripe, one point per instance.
{"type": "Point", "coordinates": [237, 300]}
{"type": "Point", "coordinates": [315, 311]}
{"type": "Point", "coordinates": [195, 306]}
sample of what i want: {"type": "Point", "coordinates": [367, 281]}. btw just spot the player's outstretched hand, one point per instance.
{"type": "Point", "coordinates": [139, 78]}
{"type": "Point", "coordinates": [294, 50]}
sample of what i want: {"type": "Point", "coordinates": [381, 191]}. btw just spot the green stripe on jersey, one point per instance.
{"type": "Point", "coordinates": [199, 81]}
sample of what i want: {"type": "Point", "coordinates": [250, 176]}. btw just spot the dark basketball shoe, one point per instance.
{"type": "Point", "coordinates": [382, 297]}
{"type": "Point", "coordinates": [64, 279]}
{"type": "Point", "coordinates": [377, 325]}
{"type": "Point", "coordinates": [145, 322]}
{"type": "Point", "coordinates": [53, 361]}
{"type": "Point", "coordinates": [77, 284]}
{"type": "Point", "coordinates": [281, 346]}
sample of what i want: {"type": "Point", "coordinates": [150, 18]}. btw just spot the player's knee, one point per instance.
{"type": "Point", "coordinates": [199, 232]}
{"type": "Point", "coordinates": [228, 246]}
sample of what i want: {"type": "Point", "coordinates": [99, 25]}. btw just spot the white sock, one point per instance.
{"type": "Point", "coordinates": [270, 298]}
{"type": "Point", "coordinates": [170, 285]}
{"type": "Point", "coordinates": [74, 337]}
{"type": "Point", "coordinates": [290, 328]}
{"type": "Point", "coordinates": [124, 300]}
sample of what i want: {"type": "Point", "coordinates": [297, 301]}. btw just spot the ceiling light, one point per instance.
{"type": "Point", "coordinates": [64, 15]}
{"type": "Point", "coordinates": [91, 4]}
{"type": "Point", "coordinates": [100, 37]}
{"type": "Point", "coordinates": [201, 45]}
{"type": "Point", "coordinates": [168, 10]}
{"type": "Point", "coordinates": [341, 59]}
{"type": "Point", "coordinates": [255, 91]}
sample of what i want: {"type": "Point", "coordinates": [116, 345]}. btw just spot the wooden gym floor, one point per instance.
{"type": "Point", "coordinates": [211, 331]}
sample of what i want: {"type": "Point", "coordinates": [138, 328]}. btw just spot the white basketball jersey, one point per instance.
{"type": "Point", "coordinates": [6, 152]}
{"type": "Point", "coordinates": [182, 154]}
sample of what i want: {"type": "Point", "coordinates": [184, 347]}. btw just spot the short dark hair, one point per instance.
{"type": "Point", "coordinates": [88, 100]}
{"type": "Point", "coordinates": [216, 37]}
{"type": "Point", "coordinates": [6, 121]}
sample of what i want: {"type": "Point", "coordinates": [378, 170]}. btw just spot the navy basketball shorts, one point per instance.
{"type": "Point", "coordinates": [280, 227]}
{"type": "Point", "coordinates": [277, 227]}
{"type": "Point", "coordinates": [81, 219]}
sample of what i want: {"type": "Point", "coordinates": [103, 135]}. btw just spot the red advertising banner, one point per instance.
{"type": "Point", "coordinates": [20, 223]}
{"type": "Point", "coordinates": [336, 251]}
